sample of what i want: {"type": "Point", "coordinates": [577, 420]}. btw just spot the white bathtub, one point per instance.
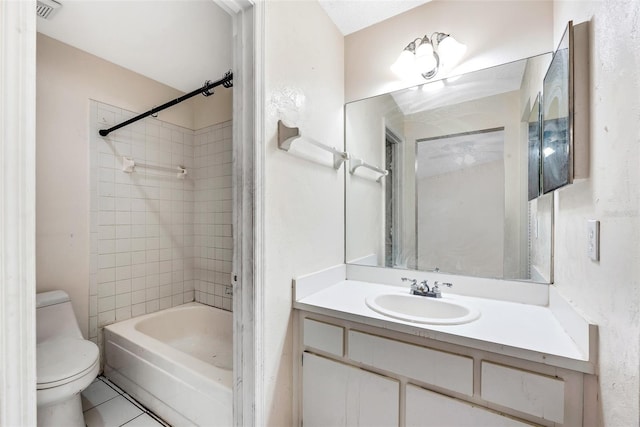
{"type": "Point", "coordinates": [177, 362]}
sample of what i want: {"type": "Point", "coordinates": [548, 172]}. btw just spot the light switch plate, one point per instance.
{"type": "Point", "coordinates": [593, 239]}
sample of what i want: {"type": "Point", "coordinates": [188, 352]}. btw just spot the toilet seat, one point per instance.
{"type": "Point", "coordinates": [63, 360]}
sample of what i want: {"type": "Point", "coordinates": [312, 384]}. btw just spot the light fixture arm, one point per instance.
{"type": "Point", "coordinates": [413, 45]}
{"type": "Point", "coordinates": [430, 74]}
{"type": "Point", "coordinates": [438, 37]}
{"type": "Point", "coordinates": [433, 41]}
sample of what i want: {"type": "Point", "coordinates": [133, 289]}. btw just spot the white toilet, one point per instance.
{"type": "Point", "coordinates": [66, 363]}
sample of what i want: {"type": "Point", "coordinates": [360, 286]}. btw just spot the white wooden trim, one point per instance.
{"type": "Point", "coordinates": [235, 7]}
{"type": "Point", "coordinates": [248, 160]}
{"type": "Point", "coordinates": [17, 213]}
{"type": "Point", "coordinates": [258, 211]}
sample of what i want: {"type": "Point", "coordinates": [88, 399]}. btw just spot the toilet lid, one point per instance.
{"type": "Point", "coordinates": [63, 358]}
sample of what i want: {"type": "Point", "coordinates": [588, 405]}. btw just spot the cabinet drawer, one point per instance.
{"type": "Point", "coordinates": [323, 336]}
{"type": "Point", "coordinates": [438, 368]}
{"type": "Point", "coordinates": [429, 409]}
{"type": "Point", "coordinates": [339, 395]}
{"type": "Point", "coordinates": [531, 393]}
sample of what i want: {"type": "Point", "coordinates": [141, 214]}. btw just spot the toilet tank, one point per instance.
{"type": "Point", "coordinates": [55, 317]}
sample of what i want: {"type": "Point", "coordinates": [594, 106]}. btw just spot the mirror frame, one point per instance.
{"type": "Point", "coordinates": [534, 181]}
{"type": "Point", "coordinates": [547, 185]}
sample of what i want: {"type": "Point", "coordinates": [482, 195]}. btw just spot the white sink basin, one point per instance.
{"type": "Point", "coordinates": [418, 309]}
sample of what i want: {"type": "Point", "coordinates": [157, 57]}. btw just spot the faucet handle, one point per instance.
{"type": "Point", "coordinates": [448, 285]}
{"type": "Point", "coordinates": [436, 288]}
{"type": "Point", "coordinates": [414, 285]}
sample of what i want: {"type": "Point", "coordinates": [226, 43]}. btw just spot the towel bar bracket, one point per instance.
{"type": "Point", "coordinates": [286, 136]}
{"type": "Point", "coordinates": [357, 163]}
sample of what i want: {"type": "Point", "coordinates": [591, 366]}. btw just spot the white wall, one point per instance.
{"type": "Point", "coordinates": [67, 79]}
{"type": "Point", "coordinates": [304, 195]}
{"type": "Point", "coordinates": [495, 32]}
{"type": "Point", "coordinates": [608, 291]}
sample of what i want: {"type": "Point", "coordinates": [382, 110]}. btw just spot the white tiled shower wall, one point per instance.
{"type": "Point", "coordinates": [213, 241]}
{"type": "Point", "coordinates": [157, 241]}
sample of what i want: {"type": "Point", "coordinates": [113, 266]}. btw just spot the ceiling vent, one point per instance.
{"type": "Point", "coordinates": [47, 8]}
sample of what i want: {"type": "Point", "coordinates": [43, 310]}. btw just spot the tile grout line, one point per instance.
{"type": "Point", "coordinates": [138, 416]}
{"type": "Point", "coordinates": [95, 406]}
{"type": "Point", "coordinates": [133, 401]}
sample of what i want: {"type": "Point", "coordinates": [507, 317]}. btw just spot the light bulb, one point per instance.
{"type": "Point", "coordinates": [450, 51]}
{"type": "Point", "coordinates": [425, 61]}
{"type": "Point", "coordinates": [424, 49]}
{"type": "Point", "coordinates": [403, 66]}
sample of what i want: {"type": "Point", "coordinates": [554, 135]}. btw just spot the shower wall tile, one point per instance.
{"type": "Point", "coordinates": [157, 241]}
{"type": "Point", "coordinates": [212, 216]}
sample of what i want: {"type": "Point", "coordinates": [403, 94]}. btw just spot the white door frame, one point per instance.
{"type": "Point", "coordinates": [17, 212]}
{"type": "Point", "coordinates": [248, 219]}
{"type": "Point", "coordinates": [18, 400]}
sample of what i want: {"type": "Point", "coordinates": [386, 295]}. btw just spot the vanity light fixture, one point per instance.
{"type": "Point", "coordinates": [425, 56]}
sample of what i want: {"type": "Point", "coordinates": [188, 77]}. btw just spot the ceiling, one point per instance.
{"type": "Point", "coordinates": [353, 15]}
{"type": "Point", "coordinates": [181, 43]}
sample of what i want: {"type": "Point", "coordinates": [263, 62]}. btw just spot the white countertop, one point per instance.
{"type": "Point", "coordinates": [525, 331]}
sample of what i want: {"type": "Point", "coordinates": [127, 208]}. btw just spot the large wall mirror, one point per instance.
{"type": "Point", "coordinates": [456, 196]}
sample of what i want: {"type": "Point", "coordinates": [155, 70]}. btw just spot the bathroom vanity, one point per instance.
{"type": "Point", "coordinates": [517, 364]}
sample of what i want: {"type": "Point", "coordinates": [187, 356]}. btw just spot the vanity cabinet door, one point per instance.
{"type": "Point", "coordinates": [337, 395]}
{"type": "Point", "coordinates": [429, 409]}
{"type": "Point", "coordinates": [534, 394]}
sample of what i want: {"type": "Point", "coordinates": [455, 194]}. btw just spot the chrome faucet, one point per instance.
{"type": "Point", "coordinates": [423, 288]}
{"type": "Point", "coordinates": [435, 290]}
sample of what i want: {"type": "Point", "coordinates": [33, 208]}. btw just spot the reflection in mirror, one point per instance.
{"type": "Point", "coordinates": [456, 196]}
{"type": "Point", "coordinates": [535, 147]}
{"type": "Point", "coordinates": [556, 134]}
{"type": "Point", "coordinates": [460, 202]}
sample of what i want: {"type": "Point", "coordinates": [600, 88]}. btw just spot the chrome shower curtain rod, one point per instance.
{"type": "Point", "coordinates": [226, 81]}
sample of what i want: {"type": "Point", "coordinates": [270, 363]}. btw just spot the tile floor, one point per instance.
{"type": "Point", "coordinates": [106, 405]}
